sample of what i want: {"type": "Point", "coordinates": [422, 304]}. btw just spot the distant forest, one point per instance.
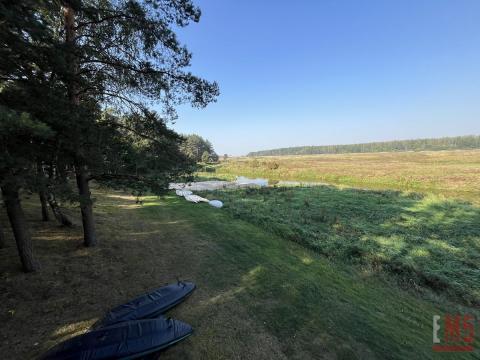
{"type": "Point", "coordinates": [446, 143]}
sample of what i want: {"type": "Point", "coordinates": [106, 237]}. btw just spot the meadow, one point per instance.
{"type": "Point", "coordinates": [423, 241]}
{"type": "Point", "coordinates": [259, 296]}
{"type": "Point", "coordinates": [453, 174]}
{"type": "Point", "coordinates": [286, 272]}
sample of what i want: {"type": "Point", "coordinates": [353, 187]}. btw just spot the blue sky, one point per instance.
{"type": "Point", "coordinates": [317, 72]}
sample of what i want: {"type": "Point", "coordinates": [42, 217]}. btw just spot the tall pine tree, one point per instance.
{"type": "Point", "coordinates": [125, 55]}
{"type": "Point", "coordinates": [66, 64]}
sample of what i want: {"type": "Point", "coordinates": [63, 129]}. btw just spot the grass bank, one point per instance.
{"type": "Point", "coordinates": [259, 296]}
{"type": "Point", "coordinates": [422, 240]}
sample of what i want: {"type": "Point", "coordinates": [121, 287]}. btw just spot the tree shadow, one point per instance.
{"type": "Point", "coordinates": [77, 285]}
{"type": "Point", "coordinates": [249, 283]}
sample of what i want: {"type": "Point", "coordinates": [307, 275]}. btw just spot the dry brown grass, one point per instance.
{"type": "Point", "coordinates": [450, 173]}
{"type": "Point", "coordinates": [77, 285]}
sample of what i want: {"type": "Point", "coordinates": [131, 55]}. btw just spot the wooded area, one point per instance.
{"type": "Point", "coordinates": [198, 149]}
{"type": "Point", "coordinates": [87, 89]}
{"type": "Point", "coordinates": [446, 143]}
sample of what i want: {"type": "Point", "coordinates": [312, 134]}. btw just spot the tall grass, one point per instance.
{"type": "Point", "coordinates": [424, 240]}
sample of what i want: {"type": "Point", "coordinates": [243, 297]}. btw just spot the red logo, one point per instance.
{"type": "Point", "coordinates": [458, 333]}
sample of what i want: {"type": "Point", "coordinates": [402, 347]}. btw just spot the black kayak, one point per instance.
{"type": "Point", "coordinates": [128, 340]}
{"type": "Point", "coordinates": [149, 305]}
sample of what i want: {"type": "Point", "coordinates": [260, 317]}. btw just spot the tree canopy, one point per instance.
{"type": "Point", "coordinates": [199, 149]}
{"type": "Point", "coordinates": [446, 143]}
{"type": "Point", "coordinates": [78, 79]}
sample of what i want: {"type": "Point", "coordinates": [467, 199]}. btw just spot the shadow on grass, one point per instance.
{"type": "Point", "coordinates": [77, 285]}
{"type": "Point", "coordinates": [316, 308]}
{"type": "Point", "coordinates": [257, 295]}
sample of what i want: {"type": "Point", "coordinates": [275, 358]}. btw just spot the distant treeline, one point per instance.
{"type": "Point", "coordinates": [446, 143]}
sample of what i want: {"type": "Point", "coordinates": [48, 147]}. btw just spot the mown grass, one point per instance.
{"type": "Point", "coordinates": [424, 241]}
{"type": "Point", "coordinates": [259, 296]}
{"type": "Point", "coordinates": [313, 307]}
{"type": "Point", "coordinates": [450, 173]}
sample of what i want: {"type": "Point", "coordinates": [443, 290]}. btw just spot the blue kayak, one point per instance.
{"type": "Point", "coordinates": [149, 305]}
{"type": "Point", "coordinates": [128, 340]}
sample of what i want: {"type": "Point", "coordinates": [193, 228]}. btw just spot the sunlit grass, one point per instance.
{"type": "Point", "coordinates": [431, 241]}
{"type": "Point", "coordinates": [313, 306]}
{"type": "Point", "coordinates": [451, 173]}
{"type": "Point", "coordinates": [259, 295]}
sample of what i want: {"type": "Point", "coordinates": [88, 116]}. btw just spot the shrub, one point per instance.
{"type": "Point", "coordinates": [272, 165]}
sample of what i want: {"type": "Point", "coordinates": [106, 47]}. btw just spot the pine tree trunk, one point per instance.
{"type": "Point", "coordinates": [89, 236]}
{"type": "Point", "coordinates": [86, 207]}
{"type": "Point", "coordinates": [57, 212]}
{"type": "Point", "coordinates": [43, 202]}
{"type": "Point", "coordinates": [20, 228]}
{"type": "Point", "coordinates": [69, 25]}
{"type": "Point", "coordinates": [3, 241]}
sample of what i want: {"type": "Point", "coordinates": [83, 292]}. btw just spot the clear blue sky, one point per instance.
{"type": "Point", "coordinates": [316, 72]}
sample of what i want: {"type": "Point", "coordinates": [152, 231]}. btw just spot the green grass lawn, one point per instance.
{"type": "Point", "coordinates": [260, 295]}
{"type": "Point", "coordinates": [313, 307]}
{"type": "Point", "coordinates": [424, 241]}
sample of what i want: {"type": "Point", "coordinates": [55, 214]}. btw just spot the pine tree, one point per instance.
{"type": "Point", "coordinates": [205, 157]}
{"type": "Point", "coordinates": [21, 137]}
{"type": "Point", "coordinates": [195, 146]}
{"type": "Point", "coordinates": [66, 62]}
{"type": "Point", "coordinates": [124, 54]}
{"type": "Point", "coordinates": [3, 241]}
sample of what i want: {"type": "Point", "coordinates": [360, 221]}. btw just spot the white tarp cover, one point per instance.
{"type": "Point", "coordinates": [185, 189]}
{"type": "Point", "coordinates": [243, 181]}
{"type": "Point", "coordinates": [195, 198]}
{"type": "Point", "coordinates": [216, 203]}
{"type": "Point", "coordinates": [183, 192]}
{"type": "Point", "coordinates": [211, 185]}
{"type": "Point", "coordinates": [300, 183]}
{"type": "Point", "coordinates": [201, 185]}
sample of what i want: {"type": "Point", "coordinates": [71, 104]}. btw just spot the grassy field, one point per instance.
{"type": "Point", "coordinates": [260, 295]}
{"type": "Point", "coordinates": [425, 241]}
{"type": "Point", "coordinates": [449, 173]}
